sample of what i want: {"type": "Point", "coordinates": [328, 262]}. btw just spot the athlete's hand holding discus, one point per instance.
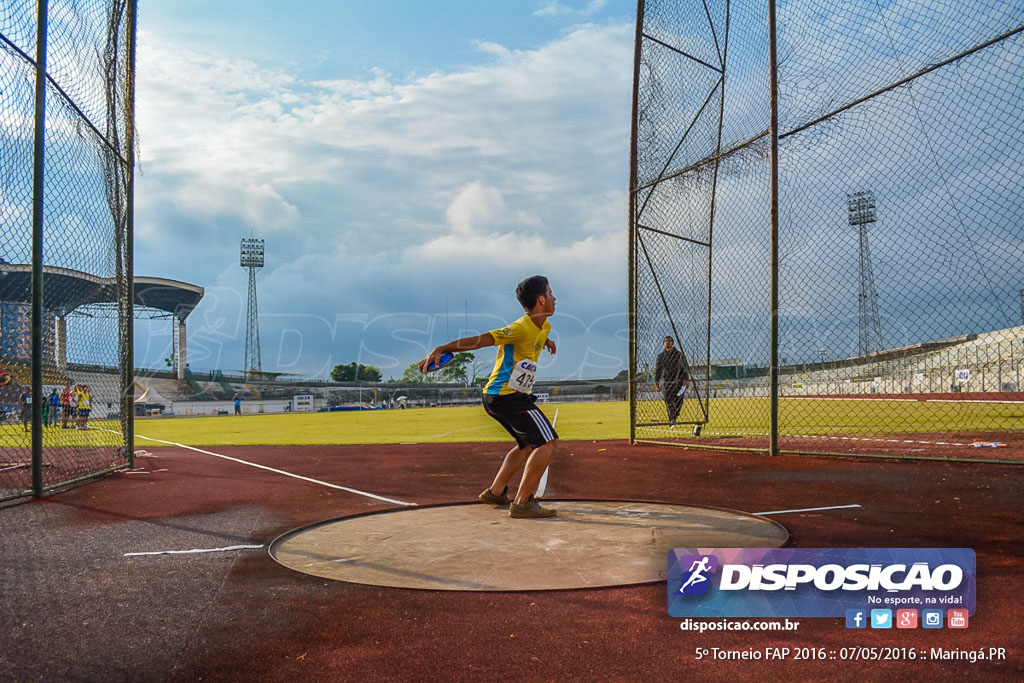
{"type": "Point", "coordinates": [443, 354]}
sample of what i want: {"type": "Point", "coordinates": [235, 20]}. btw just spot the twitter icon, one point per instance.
{"type": "Point", "coordinates": [881, 618]}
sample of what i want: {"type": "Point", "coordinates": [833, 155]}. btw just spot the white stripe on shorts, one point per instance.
{"type": "Point", "coordinates": [542, 424]}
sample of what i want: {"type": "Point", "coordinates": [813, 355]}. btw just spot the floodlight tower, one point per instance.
{"type": "Point", "coordinates": [252, 258]}
{"type": "Point", "coordinates": [861, 208]}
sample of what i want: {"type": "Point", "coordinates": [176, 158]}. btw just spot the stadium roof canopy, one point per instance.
{"type": "Point", "coordinates": [65, 290]}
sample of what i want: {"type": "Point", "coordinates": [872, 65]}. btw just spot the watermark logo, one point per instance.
{"type": "Point", "coordinates": [906, 618]}
{"type": "Point", "coordinates": [821, 582]}
{"type": "Point", "coordinates": [958, 618]}
{"type": "Point", "coordinates": [696, 580]}
{"type": "Point", "coordinates": [881, 618]}
{"type": "Point", "coordinates": [931, 618]}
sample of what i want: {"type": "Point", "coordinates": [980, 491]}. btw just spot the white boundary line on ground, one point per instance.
{"type": "Point", "coordinates": [830, 507]}
{"type": "Point", "coordinates": [277, 471]}
{"type": "Point", "coordinates": [918, 400]}
{"type": "Point", "coordinates": [974, 444]}
{"type": "Point", "coordinates": [196, 550]}
{"type": "Point", "coordinates": [454, 431]}
{"type": "Point", "coordinates": [865, 438]}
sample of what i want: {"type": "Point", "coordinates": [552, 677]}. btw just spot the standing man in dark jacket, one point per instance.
{"type": "Point", "coordinates": [670, 372]}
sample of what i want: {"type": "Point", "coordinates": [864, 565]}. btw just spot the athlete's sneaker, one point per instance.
{"type": "Point", "coordinates": [492, 499]}
{"type": "Point", "coordinates": [531, 509]}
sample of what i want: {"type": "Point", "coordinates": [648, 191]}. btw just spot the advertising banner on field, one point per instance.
{"type": "Point", "coordinates": [302, 404]}
{"type": "Point", "coordinates": [817, 582]}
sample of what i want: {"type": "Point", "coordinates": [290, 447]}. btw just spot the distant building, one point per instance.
{"type": "Point", "coordinates": [16, 331]}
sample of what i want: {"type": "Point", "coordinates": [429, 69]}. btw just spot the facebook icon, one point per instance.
{"type": "Point", "coordinates": [856, 618]}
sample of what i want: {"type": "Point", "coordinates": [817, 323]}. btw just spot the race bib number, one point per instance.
{"type": "Point", "coordinates": [524, 374]}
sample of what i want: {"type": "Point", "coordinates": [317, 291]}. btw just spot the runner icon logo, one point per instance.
{"type": "Point", "coordinates": [695, 581]}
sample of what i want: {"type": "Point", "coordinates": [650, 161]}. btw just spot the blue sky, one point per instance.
{"type": "Point", "coordinates": [409, 162]}
{"type": "Point", "coordinates": [351, 38]}
{"type": "Point", "coordinates": [400, 159]}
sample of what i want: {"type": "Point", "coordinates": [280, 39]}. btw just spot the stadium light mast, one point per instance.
{"type": "Point", "coordinates": [861, 209]}
{"type": "Point", "coordinates": [252, 258]}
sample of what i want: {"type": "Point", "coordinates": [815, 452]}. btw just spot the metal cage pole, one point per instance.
{"type": "Point", "coordinates": [774, 304]}
{"type": "Point", "coordinates": [711, 217]}
{"type": "Point", "coordinates": [633, 381]}
{"type": "Point", "coordinates": [38, 174]}
{"type": "Point", "coordinates": [128, 350]}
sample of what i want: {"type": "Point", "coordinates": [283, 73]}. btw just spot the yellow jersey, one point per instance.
{"type": "Point", "coordinates": [519, 346]}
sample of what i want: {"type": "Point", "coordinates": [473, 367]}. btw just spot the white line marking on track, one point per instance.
{"type": "Point", "coordinates": [454, 431]}
{"type": "Point", "coordinates": [277, 471]}
{"type": "Point", "coordinates": [887, 399]}
{"type": "Point", "coordinates": [196, 550]}
{"type": "Point", "coordinates": [831, 507]}
{"type": "Point", "coordinates": [864, 438]}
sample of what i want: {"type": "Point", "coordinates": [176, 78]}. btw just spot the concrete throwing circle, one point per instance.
{"type": "Point", "coordinates": [479, 548]}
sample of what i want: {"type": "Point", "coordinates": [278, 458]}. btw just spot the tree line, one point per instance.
{"type": "Point", "coordinates": [463, 369]}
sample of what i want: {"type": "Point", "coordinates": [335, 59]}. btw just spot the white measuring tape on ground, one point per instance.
{"type": "Point", "coordinates": [831, 507]}
{"type": "Point", "coordinates": [543, 485]}
{"type": "Point", "coordinates": [196, 550]}
{"type": "Point", "coordinates": [277, 471]}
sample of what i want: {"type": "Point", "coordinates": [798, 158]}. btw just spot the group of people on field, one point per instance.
{"type": "Point", "coordinates": [72, 406]}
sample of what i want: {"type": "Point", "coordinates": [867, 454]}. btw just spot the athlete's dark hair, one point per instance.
{"type": "Point", "coordinates": [529, 289]}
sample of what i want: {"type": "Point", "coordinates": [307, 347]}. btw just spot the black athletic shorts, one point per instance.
{"type": "Point", "coordinates": [521, 418]}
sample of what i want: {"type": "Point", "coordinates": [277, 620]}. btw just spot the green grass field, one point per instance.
{"type": "Point", "coordinates": [13, 435]}
{"type": "Point", "coordinates": [576, 421]}
{"type": "Point", "coordinates": [583, 421]}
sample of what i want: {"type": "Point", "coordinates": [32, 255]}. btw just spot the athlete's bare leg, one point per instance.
{"type": "Point", "coordinates": [535, 466]}
{"type": "Point", "coordinates": [513, 461]}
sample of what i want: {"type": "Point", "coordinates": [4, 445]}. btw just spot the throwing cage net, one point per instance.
{"type": "Point", "coordinates": [66, 130]}
{"type": "Point", "coordinates": [896, 262]}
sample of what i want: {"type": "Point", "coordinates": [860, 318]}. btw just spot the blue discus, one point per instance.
{"type": "Point", "coordinates": [446, 358]}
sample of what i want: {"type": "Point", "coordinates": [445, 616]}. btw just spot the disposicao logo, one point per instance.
{"type": "Point", "coordinates": [696, 581]}
{"type": "Point", "coordinates": [817, 582]}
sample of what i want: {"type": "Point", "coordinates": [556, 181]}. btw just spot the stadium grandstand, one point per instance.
{"type": "Point", "coordinates": [70, 295]}
{"type": "Point", "coordinates": [987, 363]}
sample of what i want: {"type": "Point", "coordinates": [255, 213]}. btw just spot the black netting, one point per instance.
{"type": "Point", "coordinates": [86, 261]}
{"type": "Point", "coordinates": [901, 136]}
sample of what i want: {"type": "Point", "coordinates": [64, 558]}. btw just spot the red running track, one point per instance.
{"type": "Point", "coordinates": [73, 607]}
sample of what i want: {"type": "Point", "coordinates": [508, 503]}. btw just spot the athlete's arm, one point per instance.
{"type": "Point", "coordinates": [478, 341]}
{"type": "Point", "coordinates": [550, 346]}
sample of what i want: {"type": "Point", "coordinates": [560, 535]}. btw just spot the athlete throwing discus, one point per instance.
{"type": "Point", "coordinates": [507, 398]}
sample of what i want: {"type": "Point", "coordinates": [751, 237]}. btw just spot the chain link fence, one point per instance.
{"type": "Point", "coordinates": [899, 234]}
{"type": "Point", "coordinates": [65, 418]}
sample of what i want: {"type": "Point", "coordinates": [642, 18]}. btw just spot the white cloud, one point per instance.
{"type": "Point", "coordinates": [378, 193]}
{"type": "Point", "coordinates": [258, 205]}
{"type": "Point", "coordinates": [552, 8]}
{"type": "Point", "coordinates": [477, 207]}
